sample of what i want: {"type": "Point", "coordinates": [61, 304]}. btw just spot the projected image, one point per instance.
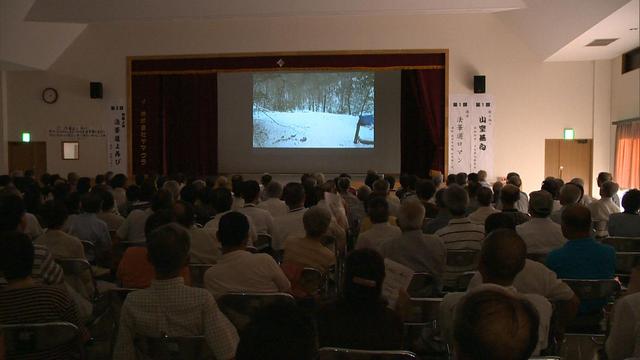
{"type": "Point", "coordinates": [313, 110]}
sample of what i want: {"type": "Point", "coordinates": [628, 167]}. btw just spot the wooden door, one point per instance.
{"type": "Point", "coordinates": [568, 159]}
{"type": "Point", "coordinates": [28, 156]}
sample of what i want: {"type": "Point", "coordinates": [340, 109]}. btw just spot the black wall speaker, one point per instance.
{"type": "Point", "coordinates": [479, 84]}
{"type": "Point", "coordinates": [95, 90]}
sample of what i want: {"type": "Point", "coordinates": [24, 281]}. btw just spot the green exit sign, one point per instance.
{"type": "Point", "coordinates": [569, 134]}
{"type": "Point", "coordinates": [26, 137]}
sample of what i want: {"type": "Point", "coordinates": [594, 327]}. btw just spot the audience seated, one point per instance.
{"type": "Point", "coordinates": [418, 251]}
{"type": "Point", "coordinates": [624, 339]}
{"type": "Point", "coordinates": [272, 202]}
{"type": "Point", "coordinates": [627, 223]}
{"type": "Point", "coordinates": [460, 233]}
{"type": "Point", "coordinates": [239, 270]}
{"type": "Point", "coordinates": [541, 234]}
{"type": "Point", "coordinates": [353, 205]}
{"type": "Point", "coordinates": [381, 188]}
{"type": "Point", "coordinates": [482, 179]}
{"type": "Point", "coordinates": [602, 178]}
{"type": "Point", "coordinates": [260, 218]}
{"type": "Point", "coordinates": [407, 186]}
{"type": "Point", "coordinates": [603, 208]}
{"type": "Point", "coordinates": [170, 308]}
{"type": "Point", "coordinates": [442, 218]}
{"type": "Point", "coordinates": [569, 194]}
{"type": "Point", "coordinates": [483, 197]}
{"type": "Point", "coordinates": [205, 249]}
{"type": "Point", "coordinates": [281, 331]}
{"type": "Point", "coordinates": [581, 257]}
{"type": "Point", "coordinates": [135, 270]}
{"type": "Point", "coordinates": [86, 226]}
{"type": "Point", "coordinates": [109, 213]}
{"type": "Point", "coordinates": [381, 231]}
{"type": "Point", "coordinates": [290, 225]}
{"type": "Point", "coordinates": [496, 325]}
{"type": "Point", "coordinates": [223, 201]}
{"type": "Point", "coordinates": [510, 195]}
{"type": "Point", "coordinates": [119, 189]}
{"type": "Point", "coordinates": [522, 204]}
{"type": "Point", "coordinates": [425, 191]}
{"type": "Point", "coordinates": [132, 230]}
{"type": "Point", "coordinates": [60, 244]}
{"type": "Point", "coordinates": [24, 301]}
{"type": "Point", "coordinates": [503, 257]}
{"type": "Point", "coordinates": [309, 251]}
{"type": "Point", "coordinates": [360, 319]}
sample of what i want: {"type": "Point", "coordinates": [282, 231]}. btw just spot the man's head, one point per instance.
{"type": "Point", "coordinates": [157, 219]}
{"type": "Point", "coordinates": [551, 186]}
{"type": "Point", "coordinates": [168, 250]}
{"type": "Point", "coordinates": [473, 178]}
{"type": "Point", "coordinates": [540, 204]}
{"type": "Point", "coordinates": [265, 179]}
{"type": "Point", "coordinates": [53, 214]}
{"type": "Point", "coordinates": [250, 191]}
{"type": "Point", "coordinates": [495, 325]}
{"type": "Point", "coordinates": [502, 257]}
{"type": "Point", "coordinates": [608, 189]}
{"type": "Point", "coordinates": [631, 201]}
{"type": "Point", "coordinates": [378, 210]}
{"type": "Point", "coordinates": [294, 195]}
{"type": "Point", "coordinates": [482, 175]}
{"type": "Point", "coordinates": [456, 198]}
{"type": "Point", "coordinates": [509, 195]}
{"type": "Point", "coordinates": [425, 189]}
{"type": "Point", "coordinates": [236, 185]}
{"type": "Point", "coordinates": [273, 190]}
{"type": "Point", "coordinates": [163, 199]}
{"type": "Point", "coordinates": [91, 202]}
{"type": "Point", "coordinates": [316, 221]}
{"type": "Point", "coordinates": [484, 196]}
{"type": "Point", "coordinates": [184, 213]}
{"type": "Point", "coordinates": [569, 194]}
{"type": "Point", "coordinates": [173, 187]}
{"type": "Point", "coordinates": [497, 221]}
{"type": "Point", "coordinates": [576, 222]}
{"type": "Point", "coordinates": [363, 193]}
{"type": "Point", "coordinates": [461, 179]}
{"type": "Point", "coordinates": [411, 215]}
{"type": "Point", "coordinates": [222, 199]}
{"type": "Point", "coordinates": [343, 184]}
{"type": "Point", "coordinates": [603, 177]}
{"type": "Point", "coordinates": [233, 231]}
{"type": "Point", "coordinates": [108, 202]}
{"type": "Point", "coordinates": [16, 255]}
{"type": "Point", "coordinates": [514, 179]}
{"type": "Point", "coordinates": [380, 187]}
{"type": "Point", "coordinates": [11, 213]}
{"type": "Point", "coordinates": [280, 331]}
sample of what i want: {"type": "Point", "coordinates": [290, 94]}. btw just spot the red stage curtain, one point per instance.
{"type": "Point", "coordinates": [175, 120]}
{"type": "Point", "coordinates": [422, 121]}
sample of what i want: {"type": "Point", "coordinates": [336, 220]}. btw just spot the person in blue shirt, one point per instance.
{"type": "Point", "coordinates": [582, 257]}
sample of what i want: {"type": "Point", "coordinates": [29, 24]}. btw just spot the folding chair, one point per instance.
{"type": "Point", "coordinates": [623, 244]}
{"type": "Point", "coordinates": [329, 353]}
{"type": "Point", "coordinates": [22, 340]}
{"type": "Point", "coordinates": [422, 285]}
{"type": "Point", "coordinates": [467, 260]}
{"type": "Point", "coordinates": [173, 348]}
{"type": "Point", "coordinates": [241, 307]}
{"type": "Point", "coordinates": [263, 243]}
{"type": "Point", "coordinates": [89, 248]}
{"type": "Point", "coordinates": [312, 281]}
{"type": "Point", "coordinates": [197, 274]}
{"type": "Point", "coordinates": [586, 290]}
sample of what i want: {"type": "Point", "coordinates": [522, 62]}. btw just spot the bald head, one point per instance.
{"type": "Point", "coordinates": [493, 324]}
{"type": "Point", "coordinates": [502, 257]}
{"type": "Point", "coordinates": [576, 222]}
{"type": "Point", "coordinates": [569, 194]}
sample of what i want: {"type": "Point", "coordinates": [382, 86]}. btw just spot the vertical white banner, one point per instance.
{"type": "Point", "coordinates": [117, 139]}
{"type": "Point", "coordinates": [483, 143]}
{"type": "Point", "coordinates": [459, 134]}
{"type": "Point", "coordinates": [471, 143]}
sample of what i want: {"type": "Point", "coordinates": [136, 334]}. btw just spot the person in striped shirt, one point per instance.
{"type": "Point", "coordinates": [460, 233]}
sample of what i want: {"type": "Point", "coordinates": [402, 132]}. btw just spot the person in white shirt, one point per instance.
{"type": "Point", "coordinates": [381, 231]}
{"type": "Point", "coordinates": [503, 257]}
{"type": "Point", "coordinates": [603, 208]}
{"type": "Point", "coordinates": [484, 197]}
{"type": "Point", "coordinates": [272, 202]}
{"type": "Point", "coordinates": [205, 249]}
{"type": "Point", "coordinates": [541, 234]}
{"type": "Point", "coordinates": [132, 229]}
{"type": "Point", "coordinates": [290, 225]}
{"type": "Point", "coordinates": [223, 200]}
{"type": "Point", "coordinates": [239, 270]}
{"type": "Point", "coordinates": [602, 178]}
{"type": "Point", "coordinates": [260, 218]}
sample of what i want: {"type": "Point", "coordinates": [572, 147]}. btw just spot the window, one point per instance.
{"type": "Point", "coordinates": [70, 150]}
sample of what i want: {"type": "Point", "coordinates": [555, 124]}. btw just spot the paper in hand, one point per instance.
{"type": "Point", "coordinates": [398, 277]}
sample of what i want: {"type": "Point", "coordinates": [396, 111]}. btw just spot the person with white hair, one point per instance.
{"type": "Point", "coordinates": [272, 203]}
{"type": "Point", "coordinates": [413, 249]}
{"type": "Point", "coordinates": [174, 188]}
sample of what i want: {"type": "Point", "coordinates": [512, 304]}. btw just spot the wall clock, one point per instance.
{"type": "Point", "coordinates": [49, 95]}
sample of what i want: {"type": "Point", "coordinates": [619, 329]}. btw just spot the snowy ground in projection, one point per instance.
{"type": "Point", "coordinates": [307, 130]}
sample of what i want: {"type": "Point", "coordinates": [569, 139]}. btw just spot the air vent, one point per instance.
{"type": "Point", "coordinates": [601, 42]}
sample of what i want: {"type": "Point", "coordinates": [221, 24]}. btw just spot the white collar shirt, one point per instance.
{"type": "Point", "coordinates": [261, 219]}
{"type": "Point", "coordinates": [275, 207]}
{"type": "Point", "coordinates": [602, 209]}
{"type": "Point", "coordinates": [132, 229]}
{"type": "Point", "coordinates": [205, 248]}
{"type": "Point", "coordinates": [288, 226]}
{"type": "Point", "coordinates": [377, 236]}
{"type": "Point", "coordinates": [541, 235]}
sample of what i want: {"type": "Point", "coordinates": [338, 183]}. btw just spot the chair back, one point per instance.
{"type": "Point", "coordinates": [463, 258]}
{"type": "Point", "coordinates": [263, 242]}
{"type": "Point", "coordinates": [79, 268]}
{"type": "Point", "coordinates": [173, 348]}
{"type": "Point", "coordinates": [241, 307]}
{"type": "Point", "coordinates": [462, 282]}
{"type": "Point", "coordinates": [623, 243]}
{"type": "Point", "coordinates": [89, 247]}
{"type": "Point", "coordinates": [25, 339]}
{"type": "Point", "coordinates": [594, 289]}
{"type": "Point", "coordinates": [312, 280]}
{"type": "Point", "coordinates": [329, 353]}
{"type": "Point", "coordinates": [421, 285]}
{"type": "Point", "coordinates": [626, 261]}
{"type": "Point", "coordinates": [423, 310]}
{"type": "Point", "coordinates": [197, 274]}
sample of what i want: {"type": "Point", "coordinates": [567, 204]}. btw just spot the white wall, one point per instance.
{"type": "Point", "coordinates": [625, 92]}
{"type": "Point", "coordinates": [534, 100]}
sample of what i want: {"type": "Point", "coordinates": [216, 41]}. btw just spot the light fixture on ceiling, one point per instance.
{"type": "Point", "coordinates": [601, 42]}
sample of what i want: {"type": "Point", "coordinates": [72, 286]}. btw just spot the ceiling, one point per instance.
{"type": "Point", "coordinates": [91, 11]}
{"type": "Point", "coordinates": [619, 25]}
